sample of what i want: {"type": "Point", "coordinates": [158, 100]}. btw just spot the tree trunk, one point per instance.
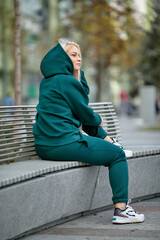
{"type": "Point", "coordinates": [17, 54]}
{"type": "Point", "coordinates": [99, 80]}
{"type": "Point", "coordinates": [53, 21]}
{"type": "Point", "coordinates": [4, 62]}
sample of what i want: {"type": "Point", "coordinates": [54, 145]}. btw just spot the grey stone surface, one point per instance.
{"type": "Point", "coordinates": [24, 170]}
{"type": "Point", "coordinates": [103, 193]}
{"type": "Point", "coordinates": [144, 176]}
{"type": "Point", "coordinates": [70, 237]}
{"type": "Point", "coordinates": [39, 201]}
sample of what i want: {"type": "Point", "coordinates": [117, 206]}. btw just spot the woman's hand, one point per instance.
{"type": "Point", "coordinates": [101, 124]}
{"type": "Point", "coordinates": [80, 128]}
{"type": "Point", "coordinates": [108, 139]}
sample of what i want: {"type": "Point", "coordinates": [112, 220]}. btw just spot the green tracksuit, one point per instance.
{"type": "Point", "coordinates": [62, 109]}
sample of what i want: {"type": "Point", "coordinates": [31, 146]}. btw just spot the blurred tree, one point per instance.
{"type": "Point", "coordinates": [130, 59]}
{"type": "Point", "coordinates": [53, 21]}
{"type": "Point", "coordinates": [150, 60]}
{"type": "Point", "coordinates": [6, 47]}
{"type": "Point", "coordinates": [17, 52]}
{"type": "Point", "coordinates": [103, 34]}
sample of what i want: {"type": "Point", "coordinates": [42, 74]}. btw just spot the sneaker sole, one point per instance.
{"type": "Point", "coordinates": [120, 220]}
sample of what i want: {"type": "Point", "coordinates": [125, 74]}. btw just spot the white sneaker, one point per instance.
{"type": "Point", "coordinates": [127, 216]}
{"type": "Point", "coordinates": [128, 153]}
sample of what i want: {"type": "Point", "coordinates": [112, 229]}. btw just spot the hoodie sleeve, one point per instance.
{"type": "Point", "coordinates": [98, 132]}
{"type": "Point", "coordinates": [75, 95]}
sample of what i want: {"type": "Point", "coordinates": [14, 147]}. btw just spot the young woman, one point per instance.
{"type": "Point", "coordinates": [62, 110]}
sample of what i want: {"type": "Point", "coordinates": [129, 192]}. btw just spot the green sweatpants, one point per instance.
{"type": "Point", "coordinates": [94, 151]}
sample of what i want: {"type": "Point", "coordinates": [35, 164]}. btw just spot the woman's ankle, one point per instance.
{"type": "Point", "coordinates": [121, 205]}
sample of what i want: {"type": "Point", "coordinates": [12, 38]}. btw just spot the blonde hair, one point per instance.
{"type": "Point", "coordinates": [66, 45]}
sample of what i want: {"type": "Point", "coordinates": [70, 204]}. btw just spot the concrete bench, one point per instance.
{"type": "Point", "coordinates": [36, 193]}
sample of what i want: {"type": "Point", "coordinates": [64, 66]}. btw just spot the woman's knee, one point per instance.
{"type": "Point", "coordinates": [122, 155]}
{"type": "Point", "coordinates": [119, 157]}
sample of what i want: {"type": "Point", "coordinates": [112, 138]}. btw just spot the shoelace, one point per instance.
{"type": "Point", "coordinates": [128, 206]}
{"type": "Point", "coordinates": [131, 210]}
{"type": "Point", "coordinates": [129, 201]}
{"type": "Point", "coordinates": [115, 141]}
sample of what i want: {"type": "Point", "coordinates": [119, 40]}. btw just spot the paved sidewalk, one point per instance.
{"type": "Point", "coordinates": [98, 226]}
{"type": "Point", "coordinates": [134, 133]}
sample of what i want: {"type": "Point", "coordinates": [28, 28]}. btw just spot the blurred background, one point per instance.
{"type": "Point", "coordinates": [120, 45]}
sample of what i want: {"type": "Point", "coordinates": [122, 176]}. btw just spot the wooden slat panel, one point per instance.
{"type": "Point", "coordinates": [21, 132]}
{"type": "Point", "coordinates": [17, 124]}
{"type": "Point", "coordinates": [17, 116]}
{"type": "Point", "coordinates": [15, 129]}
{"type": "Point", "coordinates": [17, 152]}
{"type": "Point", "coordinates": [16, 120]}
{"type": "Point", "coordinates": [31, 154]}
{"type": "Point", "coordinates": [26, 145]}
{"type": "Point", "coordinates": [16, 143]}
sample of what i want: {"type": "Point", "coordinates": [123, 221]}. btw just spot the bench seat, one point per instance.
{"type": "Point", "coordinates": [24, 170]}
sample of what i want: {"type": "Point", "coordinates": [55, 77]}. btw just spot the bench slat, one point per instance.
{"type": "Point", "coordinates": [30, 149]}
{"type": "Point", "coordinates": [21, 157]}
{"type": "Point", "coordinates": [20, 132]}
{"type": "Point", "coordinates": [18, 106]}
{"type": "Point", "coordinates": [16, 120]}
{"type": "Point", "coordinates": [15, 129]}
{"type": "Point", "coordinates": [17, 124]}
{"type": "Point", "coordinates": [20, 115]}
{"type": "Point", "coordinates": [15, 138]}
{"type": "Point", "coordinates": [16, 148]}
{"type": "Point", "coordinates": [16, 143]}
{"type": "Point", "coordinates": [17, 110]}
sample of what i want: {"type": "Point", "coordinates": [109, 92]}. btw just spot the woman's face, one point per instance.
{"type": "Point", "coordinates": [74, 54]}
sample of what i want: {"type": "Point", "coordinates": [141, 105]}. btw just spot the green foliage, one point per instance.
{"type": "Point", "coordinates": [6, 47]}
{"type": "Point", "coordinates": [99, 26]}
{"type": "Point", "coordinates": [107, 33]}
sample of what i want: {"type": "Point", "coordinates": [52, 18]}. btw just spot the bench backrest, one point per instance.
{"type": "Point", "coordinates": [16, 122]}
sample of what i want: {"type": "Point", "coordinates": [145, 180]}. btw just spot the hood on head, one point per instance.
{"type": "Point", "coordinates": [56, 62]}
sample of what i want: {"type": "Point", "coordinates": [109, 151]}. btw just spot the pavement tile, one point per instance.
{"type": "Point", "coordinates": [105, 232]}
{"type": "Point", "coordinates": [62, 237]}
{"type": "Point", "coordinates": [98, 226]}
{"type": "Point", "coordinates": [147, 209]}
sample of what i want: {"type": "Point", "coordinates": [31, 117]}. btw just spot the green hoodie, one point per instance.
{"type": "Point", "coordinates": [63, 103]}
